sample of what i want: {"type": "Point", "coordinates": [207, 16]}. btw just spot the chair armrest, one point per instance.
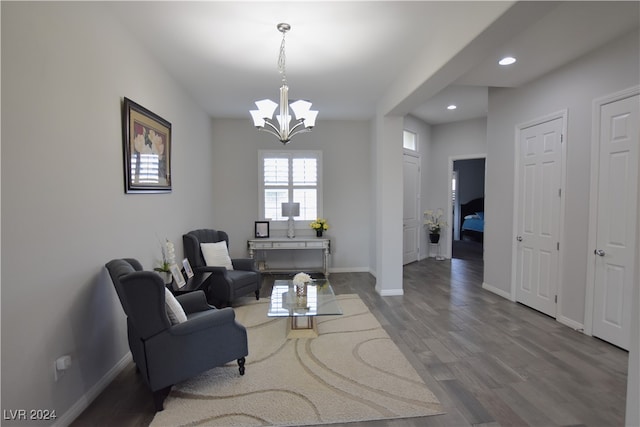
{"type": "Point", "coordinates": [210, 269]}
{"type": "Point", "coordinates": [193, 302]}
{"type": "Point", "coordinates": [206, 320]}
{"type": "Point", "coordinates": [247, 264]}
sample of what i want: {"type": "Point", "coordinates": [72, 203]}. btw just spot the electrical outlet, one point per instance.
{"type": "Point", "coordinates": [60, 365]}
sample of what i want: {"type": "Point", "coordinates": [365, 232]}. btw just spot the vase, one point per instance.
{"type": "Point", "coordinates": [301, 296]}
{"type": "Point", "coordinates": [319, 232]}
{"type": "Point", "coordinates": [434, 237]}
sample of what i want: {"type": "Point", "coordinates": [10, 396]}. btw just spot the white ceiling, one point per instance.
{"type": "Point", "coordinates": [344, 56]}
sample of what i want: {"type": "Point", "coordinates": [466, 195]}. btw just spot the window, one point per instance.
{"type": "Point", "coordinates": [290, 176]}
{"type": "Point", "coordinates": [454, 187]}
{"type": "Point", "coordinates": [147, 170]}
{"type": "Point", "coordinates": [409, 141]}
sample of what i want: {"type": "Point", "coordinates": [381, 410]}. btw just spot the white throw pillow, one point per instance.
{"type": "Point", "coordinates": [174, 309]}
{"type": "Point", "coordinates": [216, 254]}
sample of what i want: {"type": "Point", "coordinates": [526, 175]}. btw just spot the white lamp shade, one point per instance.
{"type": "Point", "coordinates": [300, 108]}
{"type": "Point", "coordinates": [310, 119]}
{"type": "Point", "coordinates": [258, 119]}
{"type": "Point", "coordinates": [266, 108]}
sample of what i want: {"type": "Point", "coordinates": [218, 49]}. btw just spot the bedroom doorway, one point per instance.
{"type": "Point", "coordinates": [467, 200]}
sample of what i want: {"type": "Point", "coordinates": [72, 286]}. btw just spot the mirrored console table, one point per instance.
{"type": "Point", "coordinates": [294, 244]}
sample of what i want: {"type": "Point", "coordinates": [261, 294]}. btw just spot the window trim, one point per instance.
{"type": "Point", "coordinates": [289, 154]}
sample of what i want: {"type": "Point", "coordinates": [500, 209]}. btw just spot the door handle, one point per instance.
{"type": "Point", "coordinates": [519, 238]}
{"type": "Point", "coordinates": [599, 252]}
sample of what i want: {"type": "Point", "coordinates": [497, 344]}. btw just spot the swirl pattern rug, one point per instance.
{"type": "Point", "coordinates": [351, 372]}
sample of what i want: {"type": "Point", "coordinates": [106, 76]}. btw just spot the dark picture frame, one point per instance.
{"type": "Point", "coordinates": [147, 150]}
{"type": "Point", "coordinates": [262, 229]}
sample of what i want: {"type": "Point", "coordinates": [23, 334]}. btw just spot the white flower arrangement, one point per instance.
{"type": "Point", "coordinates": [168, 256]}
{"type": "Point", "coordinates": [301, 279]}
{"type": "Point", "coordinates": [433, 220]}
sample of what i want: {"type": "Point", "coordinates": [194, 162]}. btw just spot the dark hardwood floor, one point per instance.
{"type": "Point", "coordinates": [491, 362]}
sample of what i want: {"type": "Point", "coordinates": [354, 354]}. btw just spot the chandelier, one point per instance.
{"type": "Point", "coordinates": [284, 129]}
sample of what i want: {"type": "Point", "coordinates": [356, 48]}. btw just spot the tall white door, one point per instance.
{"type": "Point", "coordinates": [411, 222]}
{"type": "Point", "coordinates": [616, 221]}
{"type": "Point", "coordinates": [538, 215]}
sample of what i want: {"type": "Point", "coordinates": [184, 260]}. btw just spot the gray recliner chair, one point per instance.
{"type": "Point", "coordinates": [166, 353]}
{"type": "Point", "coordinates": [223, 286]}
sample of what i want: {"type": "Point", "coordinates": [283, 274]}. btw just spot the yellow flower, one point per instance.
{"type": "Point", "coordinates": [320, 224]}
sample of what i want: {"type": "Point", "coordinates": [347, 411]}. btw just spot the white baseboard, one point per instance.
{"type": "Point", "coordinates": [497, 291]}
{"type": "Point", "coordinates": [350, 270]}
{"type": "Point", "coordinates": [571, 323]}
{"type": "Point", "coordinates": [85, 400]}
{"type": "Point", "coordinates": [390, 292]}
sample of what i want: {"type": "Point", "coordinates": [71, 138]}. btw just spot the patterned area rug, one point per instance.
{"type": "Point", "coordinates": [351, 372]}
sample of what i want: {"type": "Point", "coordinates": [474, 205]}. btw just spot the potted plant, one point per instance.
{"type": "Point", "coordinates": [168, 258]}
{"type": "Point", "coordinates": [320, 225]}
{"type": "Point", "coordinates": [434, 223]}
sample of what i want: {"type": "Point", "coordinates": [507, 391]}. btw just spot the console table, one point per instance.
{"type": "Point", "coordinates": [296, 243]}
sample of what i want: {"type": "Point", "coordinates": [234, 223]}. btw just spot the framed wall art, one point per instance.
{"type": "Point", "coordinates": [147, 150]}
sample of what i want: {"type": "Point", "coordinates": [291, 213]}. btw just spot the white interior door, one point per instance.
{"type": "Point", "coordinates": [411, 222]}
{"type": "Point", "coordinates": [616, 221]}
{"type": "Point", "coordinates": [538, 215]}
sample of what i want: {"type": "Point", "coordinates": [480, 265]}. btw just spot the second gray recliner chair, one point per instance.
{"type": "Point", "coordinates": [223, 286]}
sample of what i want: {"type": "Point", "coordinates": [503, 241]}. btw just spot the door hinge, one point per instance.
{"type": "Point", "coordinates": [556, 299]}
{"type": "Point", "coordinates": [558, 245]}
{"type": "Point", "coordinates": [561, 137]}
{"type": "Point", "coordinates": [559, 192]}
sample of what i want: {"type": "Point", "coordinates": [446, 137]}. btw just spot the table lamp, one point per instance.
{"type": "Point", "coordinates": [291, 210]}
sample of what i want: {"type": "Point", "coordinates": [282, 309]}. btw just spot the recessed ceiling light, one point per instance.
{"type": "Point", "coordinates": [508, 60]}
{"type": "Point", "coordinates": [452, 107]}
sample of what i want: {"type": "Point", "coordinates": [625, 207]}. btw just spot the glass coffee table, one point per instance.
{"type": "Point", "coordinates": [302, 305]}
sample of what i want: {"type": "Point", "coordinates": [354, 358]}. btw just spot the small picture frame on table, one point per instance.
{"type": "Point", "coordinates": [262, 229]}
{"type": "Point", "coordinates": [187, 268]}
{"type": "Point", "coordinates": [178, 278]}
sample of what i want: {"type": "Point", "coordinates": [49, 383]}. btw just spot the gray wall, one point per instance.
{"type": "Point", "coordinates": [450, 141]}
{"type": "Point", "coordinates": [346, 152]}
{"type": "Point", "coordinates": [65, 68]}
{"type": "Point", "coordinates": [609, 69]}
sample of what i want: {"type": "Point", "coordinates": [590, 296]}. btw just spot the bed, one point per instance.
{"type": "Point", "coordinates": [472, 214]}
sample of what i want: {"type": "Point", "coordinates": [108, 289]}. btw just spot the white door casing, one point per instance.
{"type": "Point", "coordinates": [540, 160]}
{"type": "Point", "coordinates": [612, 239]}
{"type": "Point", "coordinates": [411, 222]}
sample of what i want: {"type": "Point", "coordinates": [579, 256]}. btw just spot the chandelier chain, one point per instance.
{"type": "Point", "coordinates": [282, 58]}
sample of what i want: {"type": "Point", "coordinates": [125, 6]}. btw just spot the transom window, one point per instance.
{"type": "Point", "coordinates": [409, 141]}
{"type": "Point", "coordinates": [290, 176]}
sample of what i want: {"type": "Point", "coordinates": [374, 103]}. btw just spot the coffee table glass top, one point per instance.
{"type": "Point", "coordinates": [319, 301]}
